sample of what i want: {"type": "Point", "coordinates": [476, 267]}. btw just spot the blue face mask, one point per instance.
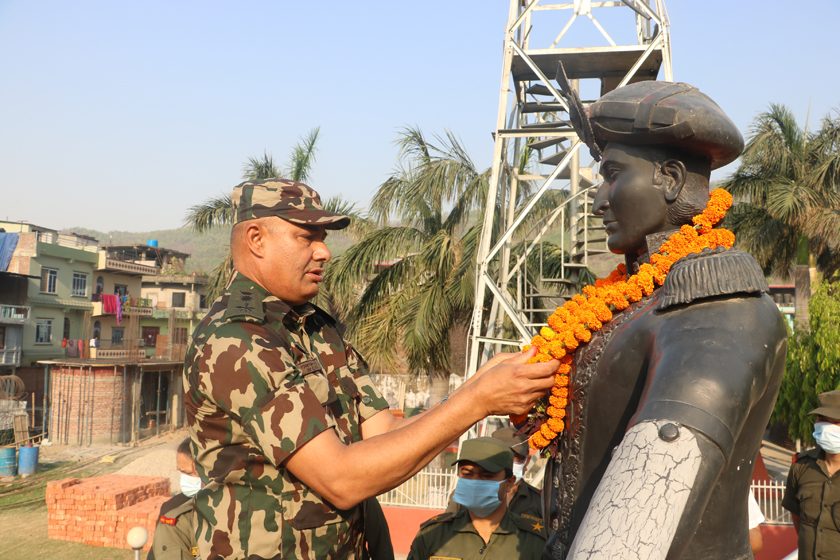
{"type": "Point", "coordinates": [827, 436]}
{"type": "Point", "coordinates": [190, 485]}
{"type": "Point", "coordinates": [479, 496]}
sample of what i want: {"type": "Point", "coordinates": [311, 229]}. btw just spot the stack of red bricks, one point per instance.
{"type": "Point", "coordinates": [100, 511]}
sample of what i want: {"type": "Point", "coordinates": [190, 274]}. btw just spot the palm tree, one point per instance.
{"type": "Point", "coordinates": [420, 305]}
{"type": "Point", "coordinates": [789, 212]}
{"type": "Point", "coordinates": [217, 211]}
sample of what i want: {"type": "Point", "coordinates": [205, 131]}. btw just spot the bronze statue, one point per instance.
{"type": "Point", "coordinates": [669, 400]}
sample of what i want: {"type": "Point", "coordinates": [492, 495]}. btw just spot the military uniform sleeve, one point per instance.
{"type": "Point", "coordinates": [418, 549]}
{"type": "Point", "coordinates": [372, 400]}
{"type": "Point", "coordinates": [790, 502]}
{"type": "Point", "coordinates": [256, 383]}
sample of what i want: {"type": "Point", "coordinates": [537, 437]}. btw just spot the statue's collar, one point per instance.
{"type": "Point", "coordinates": [652, 242]}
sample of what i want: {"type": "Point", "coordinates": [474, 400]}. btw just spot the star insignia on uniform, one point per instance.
{"type": "Point", "coordinates": [538, 526]}
{"type": "Point", "coordinates": [245, 296]}
{"type": "Point", "coordinates": [435, 518]}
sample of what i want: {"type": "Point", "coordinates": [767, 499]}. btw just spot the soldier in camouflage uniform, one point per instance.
{"type": "Point", "coordinates": [290, 433]}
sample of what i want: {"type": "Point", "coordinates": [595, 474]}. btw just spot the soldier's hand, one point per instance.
{"type": "Point", "coordinates": [513, 386]}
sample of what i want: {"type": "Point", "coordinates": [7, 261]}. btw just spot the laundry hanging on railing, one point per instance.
{"type": "Point", "coordinates": [112, 304]}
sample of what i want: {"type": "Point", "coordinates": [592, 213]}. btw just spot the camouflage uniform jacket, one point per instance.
{"type": "Point", "coordinates": [262, 379]}
{"type": "Point", "coordinates": [452, 536]}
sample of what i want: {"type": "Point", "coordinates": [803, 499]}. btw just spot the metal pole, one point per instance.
{"type": "Point", "coordinates": [113, 402]}
{"type": "Point", "coordinates": [44, 414]}
{"type": "Point", "coordinates": [79, 421]}
{"type": "Point", "coordinates": [92, 404]}
{"type": "Point", "coordinates": [124, 389]}
{"type": "Point", "coordinates": [157, 407]}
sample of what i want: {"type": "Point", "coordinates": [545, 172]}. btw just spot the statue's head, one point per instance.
{"type": "Point", "coordinates": [659, 142]}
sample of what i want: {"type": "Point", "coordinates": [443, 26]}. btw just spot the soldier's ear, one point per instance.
{"type": "Point", "coordinates": [674, 176]}
{"type": "Point", "coordinates": [255, 238]}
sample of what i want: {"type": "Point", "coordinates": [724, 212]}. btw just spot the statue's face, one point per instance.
{"type": "Point", "coordinates": [631, 206]}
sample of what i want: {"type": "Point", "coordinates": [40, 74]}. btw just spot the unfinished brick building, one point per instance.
{"type": "Point", "coordinates": [91, 401]}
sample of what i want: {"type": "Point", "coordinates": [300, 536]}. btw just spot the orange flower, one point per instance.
{"type": "Point", "coordinates": [561, 380]}
{"type": "Point", "coordinates": [556, 412]}
{"type": "Point", "coordinates": [559, 402]}
{"type": "Point", "coordinates": [538, 441]}
{"type": "Point", "coordinates": [555, 425]}
{"type": "Point", "coordinates": [562, 392]}
{"type": "Point", "coordinates": [547, 432]}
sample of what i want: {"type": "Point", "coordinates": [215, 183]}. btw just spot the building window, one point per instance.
{"type": "Point", "coordinates": [150, 335]}
{"type": "Point", "coordinates": [97, 329]}
{"type": "Point", "coordinates": [43, 331]}
{"type": "Point", "coordinates": [2, 338]}
{"type": "Point", "coordinates": [202, 301]}
{"type": "Point", "coordinates": [120, 290]}
{"type": "Point", "coordinates": [49, 280]}
{"type": "Point", "coordinates": [66, 328]}
{"type": "Point", "coordinates": [117, 336]}
{"type": "Point", "coordinates": [179, 299]}
{"type": "Point", "coordinates": [180, 335]}
{"type": "Point", "coordinates": [79, 284]}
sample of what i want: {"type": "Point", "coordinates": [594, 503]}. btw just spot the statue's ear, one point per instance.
{"type": "Point", "coordinates": [674, 176]}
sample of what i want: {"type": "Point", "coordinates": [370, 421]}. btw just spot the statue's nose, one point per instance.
{"type": "Point", "coordinates": [600, 204]}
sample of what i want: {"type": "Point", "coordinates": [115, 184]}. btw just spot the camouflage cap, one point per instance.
{"type": "Point", "coordinates": [284, 198]}
{"type": "Point", "coordinates": [518, 443]}
{"type": "Point", "coordinates": [489, 453]}
{"type": "Point", "coordinates": [829, 405]}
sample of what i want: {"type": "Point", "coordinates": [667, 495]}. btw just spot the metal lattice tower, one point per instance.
{"type": "Point", "coordinates": [532, 114]}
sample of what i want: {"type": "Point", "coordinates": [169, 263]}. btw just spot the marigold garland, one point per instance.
{"type": "Point", "coordinates": [573, 324]}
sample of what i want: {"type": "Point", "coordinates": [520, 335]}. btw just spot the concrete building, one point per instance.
{"type": "Point", "coordinates": [60, 291]}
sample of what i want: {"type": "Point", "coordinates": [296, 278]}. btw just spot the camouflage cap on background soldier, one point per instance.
{"type": "Point", "coordinates": [284, 198]}
{"type": "Point", "coordinates": [489, 453]}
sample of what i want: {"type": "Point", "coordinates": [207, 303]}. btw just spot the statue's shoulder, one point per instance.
{"type": "Point", "coordinates": [711, 273]}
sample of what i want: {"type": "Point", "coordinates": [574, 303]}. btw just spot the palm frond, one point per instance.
{"type": "Point", "coordinates": [212, 212]}
{"type": "Point", "coordinates": [257, 169]}
{"type": "Point", "coordinates": [302, 157]}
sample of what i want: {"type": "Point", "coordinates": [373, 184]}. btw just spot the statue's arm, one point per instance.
{"type": "Point", "coordinates": [709, 363]}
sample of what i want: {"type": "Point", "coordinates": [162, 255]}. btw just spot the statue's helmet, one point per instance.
{"type": "Point", "coordinates": [668, 114]}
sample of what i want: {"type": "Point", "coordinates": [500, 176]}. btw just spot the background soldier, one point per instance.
{"type": "Point", "coordinates": [175, 530]}
{"type": "Point", "coordinates": [291, 433]}
{"type": "Point", "coordinates": [812, 494]}
{"type": "Point", "coordinates": [486, 529]}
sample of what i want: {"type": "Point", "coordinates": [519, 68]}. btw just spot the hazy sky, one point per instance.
{"type": "Point", "coordinates": [120, 115]}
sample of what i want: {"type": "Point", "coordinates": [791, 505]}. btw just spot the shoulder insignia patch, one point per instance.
{"type": "Point", "coordinates": [194, 551]}
{"type": "Point", "coordinates": [711, 273]}
{"type": "Point", "coordinates": [244, 305]}
{"type": "Point", "coordinates": [437, 519]}
{"type": "Point", "coordinates": [168, 520]}
{"type": "Point", "coordinates": [531, 524]}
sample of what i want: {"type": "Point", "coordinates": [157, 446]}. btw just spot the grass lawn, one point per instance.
{"type": "Point", "coordinates": [23, 516]}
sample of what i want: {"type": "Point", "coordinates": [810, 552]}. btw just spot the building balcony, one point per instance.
{"type": "Point", "coordinates": [14, 315]}
{"type": "Point", "coordinates": [110, 263]}
{"type": "Point", "coordinates": [143, 309]}
{"type": "Point", "coordinates": [183, 279]}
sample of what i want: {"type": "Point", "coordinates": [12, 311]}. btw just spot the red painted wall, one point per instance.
{"type": "Point", "coordinates": [404, 524]}
{"type": "Point", "coordinates": [779, 541]}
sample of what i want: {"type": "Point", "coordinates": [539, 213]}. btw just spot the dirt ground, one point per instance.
{"type": "Point", "coordinates": [23, 513]}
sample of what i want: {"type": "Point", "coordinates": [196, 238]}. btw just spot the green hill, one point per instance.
{"type": "Point", "coordinates": [206, 250]}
